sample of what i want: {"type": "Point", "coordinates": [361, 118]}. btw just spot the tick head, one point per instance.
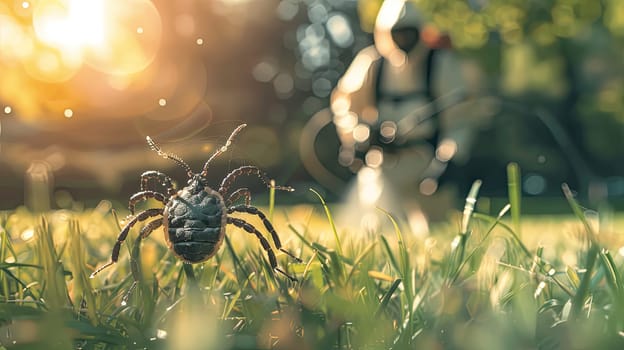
{"type": "Point", "coordinates": [196, 183]}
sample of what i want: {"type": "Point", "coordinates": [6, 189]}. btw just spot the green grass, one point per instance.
{"type": "Point", "coordinates": [474, 283]}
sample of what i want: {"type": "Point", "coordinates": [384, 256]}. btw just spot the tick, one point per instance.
{"type": "Point", "coordinates": [194, 218]}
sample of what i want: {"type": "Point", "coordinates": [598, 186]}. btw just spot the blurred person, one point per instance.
{"type": "Point", "coordinates": [402, 113]}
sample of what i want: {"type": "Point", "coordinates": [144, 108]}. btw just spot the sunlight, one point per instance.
{"type": "Point", "coordinates": [388, 15]}
{"type": "Point", "coordinates": [115, 37]}
{"type": "Point", "coordinates": [66, 41]}
{"type": "Point", "coordinates": [354, 77]}
{"type": "Point", "coordinates": [70, 25]}
{"type": "Point", "coordinates": [233, 2]}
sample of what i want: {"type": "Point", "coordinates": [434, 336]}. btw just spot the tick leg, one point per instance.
{"type": "Point", "coordinates": [224, 188]}
{"type": "Point", "coordinates": [241, 192]}
{"type": "Point", "coordinates": [144, 215]}
{"type": "Point", "coordinates": [263, 241]}
{"type": "Point", "coordinates": [222, 149]}
{"type": "Point", "coordinates": [150, 227]}
{"type": "Point", "coordinates": [255, 211]}
{"type": "Point", "coordinates": [162, 178]}
{"type": "Point", "coordinates": [143, 195]}
{"type": "Point", "coordinates": [135, 266]}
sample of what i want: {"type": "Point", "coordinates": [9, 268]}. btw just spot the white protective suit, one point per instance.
{"type": "Point", "coordinates": [382, 106]}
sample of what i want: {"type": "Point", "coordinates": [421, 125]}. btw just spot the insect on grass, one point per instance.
{"type": "Point", "coordinates": [195, 218]}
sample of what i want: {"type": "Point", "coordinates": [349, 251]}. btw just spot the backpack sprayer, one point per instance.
{"type": "Point", "coordinates": [378, 136]}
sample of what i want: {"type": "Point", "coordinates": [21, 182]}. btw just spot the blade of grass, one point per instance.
{"type": "Point", "coordinates": [614, 280]}
{"type": "Point", "coordinates": [393, 261]}
{"type": "Point", "coordinates": [386, 298]}
{"type": "Point", "coordinates": [15, 278]}
{"type": "Point", "coordinates": [582, 293]}
{"type": "Point", "coordinates": [479, 245]}
{"type": "Point", "coordinates": [83, 282]}
{"type": "Point", "coordinates": [312, 245]}
{"type": "Point", "coordinates": [573, 277]}
{"type": "Point", "coordinates": [306, 270]}
{"type": "Point", "coordinates": [56, 295]}
{"type": "Point", "coordinates": [458, 246]}
{"type": "Point", "coordinates": [613, 277]}
{"type": "Point", "coordinates": [261, 264]}
{"type": "Point", "coordinates": [553, 278]}
{"type": "Point", "coordinates": [380, 276]}
{"type": "Point", "coordinates": [359, 259]}
{"type": "Point", "coordinates": [469, 207]}
{"type": "Point", "coordinates": [403, 254]}
{"type": "Point", "coordinates": [212, 277]}
{"type": "Point", "coordinates": [4, 243]}
{"type": "Point", "coordinates": [507, 229]}
{"type": "Point", "coordinates": [537, 262]}
{"type": "Point", "coordinates": [577, 211]}
{"type": "Point", "coordinates": [87, 331]}
{"type": "Point", "coordinates": [514, 193]}
{"type": "Point", "coordinates": [330, 219]}
{"type": "Point", "coordinates": [137, 275]}
{"type": "Point", "coordinates": [238, 265]}
{"type": "Point", "coordinates": [337, 269]}
{"type": "Point", "coordinates": [321, 249]}
{"type": "Point", "coordinates": [231, 302]}
{"type": "Point", "coordinates": [326, 270]}
{"type": "Point", "coordinates": [271, 199]}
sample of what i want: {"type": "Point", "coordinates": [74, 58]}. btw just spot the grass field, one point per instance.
{"type": "Point", "coordinates": [480, 282]}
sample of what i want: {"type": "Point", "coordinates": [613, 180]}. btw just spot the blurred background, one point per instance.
{"type": "Point", "coordinates": [83, 82]}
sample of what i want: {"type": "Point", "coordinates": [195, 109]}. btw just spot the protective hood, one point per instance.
{"type": "Point", "coordinates": [397, 29]}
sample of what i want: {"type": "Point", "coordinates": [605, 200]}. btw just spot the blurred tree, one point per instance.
{"type": "Point", "coordinates": [560, 54]}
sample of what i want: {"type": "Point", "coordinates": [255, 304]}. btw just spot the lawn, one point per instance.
{"type": "Point", "coordinates": [480, 281]}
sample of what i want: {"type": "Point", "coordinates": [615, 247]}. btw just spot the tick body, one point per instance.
{"type": "Point", "coordinates": [194, 223]}
{"type": "Point", "coordinates": [194, 218]}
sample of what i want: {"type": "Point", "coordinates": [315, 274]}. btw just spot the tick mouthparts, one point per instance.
{"type": "Point", "coordinates": [284, 188]}
{"type": "Point", "coordinates": [281, 188]}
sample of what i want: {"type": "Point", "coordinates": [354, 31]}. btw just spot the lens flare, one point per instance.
{"type": "Point", "coordinates": [71, 41]}
{"type": "Point", "coordinates": [127, 50]}
{"type": "Point", "coordinates": [70, 25]}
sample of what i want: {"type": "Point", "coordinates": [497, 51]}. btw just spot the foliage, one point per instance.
{"type": "Point", "coordinates": [483, 288]}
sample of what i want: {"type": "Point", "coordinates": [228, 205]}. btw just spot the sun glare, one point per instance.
{"type": "Point", "coordinates": [58, 41]}
{"type": "Point", "coordinates": [74, 24]}
{"type": "Point", "coordinates": [115, 36]}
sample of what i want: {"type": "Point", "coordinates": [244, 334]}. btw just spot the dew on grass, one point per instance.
{"type": "Point", "coordinates": [27, 234]}
{"type": "Point", "coordinates": [161, 334]}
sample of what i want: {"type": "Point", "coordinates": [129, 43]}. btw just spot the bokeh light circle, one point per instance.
{"type": "Point", "coordinates": [126, 51]}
